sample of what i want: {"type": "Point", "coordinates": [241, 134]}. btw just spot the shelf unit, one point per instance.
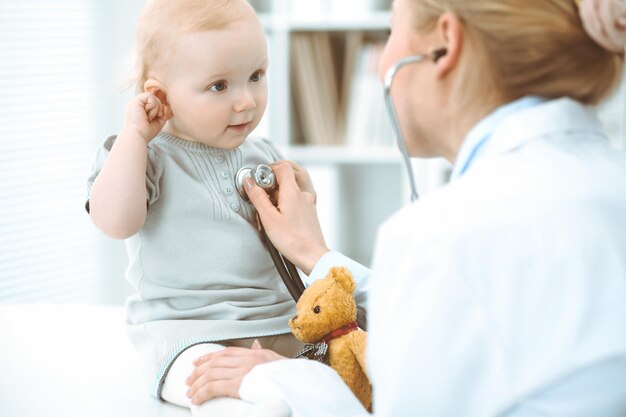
{"type": "Point", "coordinates": [325, 155]}
{"type": "Point", "coordinates": [358, 186]}
{"type": "Point", "coordinates": [279, 28]}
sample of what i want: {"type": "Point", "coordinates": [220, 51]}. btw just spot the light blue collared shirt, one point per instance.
{"type": "Point", "coordinates": [481, 134]}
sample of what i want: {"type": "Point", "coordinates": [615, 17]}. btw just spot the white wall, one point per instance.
{"type": "Point", "coordinates": [115, 63]}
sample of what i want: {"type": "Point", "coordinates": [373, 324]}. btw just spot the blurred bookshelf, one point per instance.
{"type": "Point", "coordinates": [322, 155]}
{"type": "Point", "coordinates": [326, 111]}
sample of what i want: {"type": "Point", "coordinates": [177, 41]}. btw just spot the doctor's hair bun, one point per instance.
{"type": "Point", "coordinates": [532, 47]}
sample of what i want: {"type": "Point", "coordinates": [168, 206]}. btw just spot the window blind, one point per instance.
{"type": "Point", "coordinates": [48, 102]}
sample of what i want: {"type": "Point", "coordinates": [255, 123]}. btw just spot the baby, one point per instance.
{"type": "Point", "coordinates": [203, 278]}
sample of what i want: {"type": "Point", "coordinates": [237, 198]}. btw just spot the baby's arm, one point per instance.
{"type": "Point", "coordinates": [118, 198]}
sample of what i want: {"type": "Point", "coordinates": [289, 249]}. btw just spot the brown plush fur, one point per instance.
{"type": "Point", "coordinates": [334, 297]}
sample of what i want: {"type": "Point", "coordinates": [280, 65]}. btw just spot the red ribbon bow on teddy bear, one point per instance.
{"type": "Point", "coordinates": [318, 351]}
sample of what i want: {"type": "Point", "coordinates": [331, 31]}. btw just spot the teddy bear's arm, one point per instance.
{"type": "Point", "coordinates": [359, 341]}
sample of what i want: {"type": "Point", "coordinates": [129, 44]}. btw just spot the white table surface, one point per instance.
{"type": "Point", "coordinates": [72, 360]}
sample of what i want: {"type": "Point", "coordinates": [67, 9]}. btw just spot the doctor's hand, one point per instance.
{"type": "Point", "coordinates": [219, 374]}
{"type": "Point", "coordinates": [292, 225]}
{"type": "Point", "coordinates": [303, 179]}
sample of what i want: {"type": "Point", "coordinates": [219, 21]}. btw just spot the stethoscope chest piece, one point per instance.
{"type": "Point", "coordinates": [262, 175]}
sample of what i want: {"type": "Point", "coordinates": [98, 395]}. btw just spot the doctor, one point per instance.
{"type": "Point", "coordinates": [504, 292]}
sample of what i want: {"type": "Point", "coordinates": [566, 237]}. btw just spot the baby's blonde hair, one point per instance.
{"type": "Point", "coordinates": [161, 22]}
{"type": "Point", "coordinates": [534, 47]}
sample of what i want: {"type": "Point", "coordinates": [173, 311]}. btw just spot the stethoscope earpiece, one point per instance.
{"type": "Point", "coordinates": [438, 54]}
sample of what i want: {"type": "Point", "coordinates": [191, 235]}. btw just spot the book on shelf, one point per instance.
{"type": "Point", "coordinates": [367, 121]}
{"type": "Point", "coordinates": [337, 93]}
{"type": "Point", "coordinates": [352, 45]}
{"type": "Point", "coordinates": [315, 87]}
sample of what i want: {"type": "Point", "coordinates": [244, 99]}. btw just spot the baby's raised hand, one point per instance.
{"type": "Point", "coordinates": [146, 116]}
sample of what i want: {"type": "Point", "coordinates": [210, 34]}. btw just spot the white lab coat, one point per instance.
{"type": "Point", "coordinates": [501, 294]}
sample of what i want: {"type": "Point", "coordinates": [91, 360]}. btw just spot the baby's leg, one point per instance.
{"type": "Point", "coordinates": [175, 389]}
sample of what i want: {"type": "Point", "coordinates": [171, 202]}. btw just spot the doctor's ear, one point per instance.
{"type": "Point", "coordinates": [157, 89]}
{"type": "Point", "coordinates": [450, 33]}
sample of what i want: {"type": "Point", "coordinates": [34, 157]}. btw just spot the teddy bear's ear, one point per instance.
{"type": "Point", "coordinates": [344, 278]}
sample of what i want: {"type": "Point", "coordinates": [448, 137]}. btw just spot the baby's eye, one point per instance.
{"type": "Point", "coordinates": [218, 87]}
{"type": "Point", "coordinates": [256, 76]}
{"type": "Point", "coordinates": [317, 309]}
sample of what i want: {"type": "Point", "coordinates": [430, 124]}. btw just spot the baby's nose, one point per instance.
{"type": "Point", "coordinates": [245, 101]}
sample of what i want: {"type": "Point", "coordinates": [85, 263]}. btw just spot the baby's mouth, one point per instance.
{"type": "Point", "coordinates": [240, 127]}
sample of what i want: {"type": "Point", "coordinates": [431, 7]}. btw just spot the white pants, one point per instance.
{"type": "Point", "coordinates": [175, 390]}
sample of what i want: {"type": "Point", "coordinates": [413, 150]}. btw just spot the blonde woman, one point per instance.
{"type": "Point", "coordinates": [504, 292]}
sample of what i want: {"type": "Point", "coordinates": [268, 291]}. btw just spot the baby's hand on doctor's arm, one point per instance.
{"type": "Point", "coordinates": [146, 116]}
{"type": "Point", "coordinates": [220, 374]}
{"type": "Point", "coordinates": [292, 226]}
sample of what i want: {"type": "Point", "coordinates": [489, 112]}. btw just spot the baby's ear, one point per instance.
{"type": "Point", "coordinates": [344, 278]}
{"type": "Point", "coordinates": [157, 89]}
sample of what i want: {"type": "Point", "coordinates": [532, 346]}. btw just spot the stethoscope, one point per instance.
{"type": "Point", "coordinates": [434, 56]}
{"type": "Point", "coordinates": [264, 176]}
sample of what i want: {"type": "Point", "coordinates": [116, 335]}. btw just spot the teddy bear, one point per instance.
{"type": "Point", "coordinates": [326, 321]}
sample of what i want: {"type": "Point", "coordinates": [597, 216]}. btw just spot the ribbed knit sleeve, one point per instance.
{"type": "Point", "coordinates": [154, 169]}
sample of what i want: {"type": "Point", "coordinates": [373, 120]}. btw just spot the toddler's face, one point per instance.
{"type": "Point", "coordinates": [216, 84]}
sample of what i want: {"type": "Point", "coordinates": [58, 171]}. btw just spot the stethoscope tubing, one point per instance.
{"type": "Point", "coordinates": [395, 123]}
{"type": "Point", "coordinates": [264, 177]}
{"type": "Point", "coordinates": [286, 269]}
{"type": "Point", "coordinates": [434, 56]}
